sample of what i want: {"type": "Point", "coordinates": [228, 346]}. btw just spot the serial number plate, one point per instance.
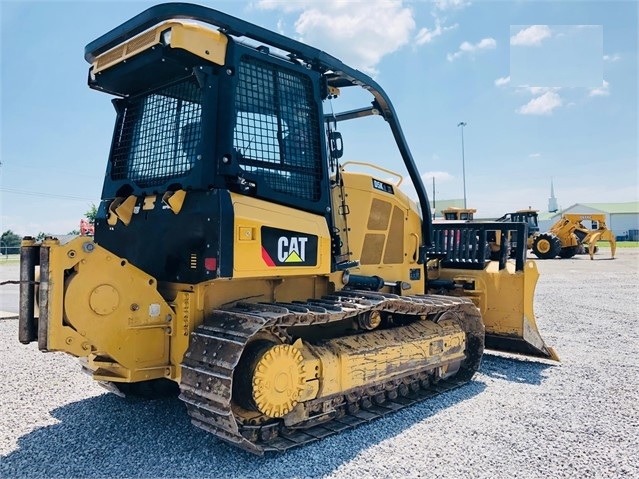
{"type": "Point", "coordinates": [380, 185]}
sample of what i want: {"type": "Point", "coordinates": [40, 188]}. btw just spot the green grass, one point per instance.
{"type": "Point", "coordinates": [10, 258]}
{"type": "Point", "coordinates": [621, 244]}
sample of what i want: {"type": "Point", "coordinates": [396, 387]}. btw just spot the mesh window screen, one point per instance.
{"type": "Point", "coordinates": [277, 129]}
{"type": "Point", "coordinates": [158, 135]}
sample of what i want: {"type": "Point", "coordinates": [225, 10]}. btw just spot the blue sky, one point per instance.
{"type": "Point", "coordinates": [548, 89]}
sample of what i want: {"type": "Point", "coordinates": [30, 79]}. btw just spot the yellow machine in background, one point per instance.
{"type": "Point", "coordinates": [569, 236]}
{"type": "Point", "coordinates": [238, 261]}
{"type": "Point", "coordinates": [458, 214]}
{"type": "Point", "coordinates": [528, 216]}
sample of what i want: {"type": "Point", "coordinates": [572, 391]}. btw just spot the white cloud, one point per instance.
{"type": "Point", "coordinates": [531, 36]}
{"type": "Point", "coordinates": [424, 35]}
{"type": "Point", "coordinates": [542, 105]}
{"type": "Point", "coordinates": [467, 47]}
{"type": "Point", "coordinates": [359, 33]}
{"type": "Point", "coordinates": [408, 187]}
{"type": "Point", "coordinates": [534, 155]}
{"type": "Point", "coordinates": [438, 175]}
{"type": "Point", "coordinates": [502, 81]}
{"type": "Point", "coordinates": [537, 90]}
{"type": "Point", "coordinates": [288, 6]}
{"type": "Point", "coordinates": [612, 58]}
{"type": "Point", "coordinates": [451, 4]}
{"type": "Point", "coordinates": [603, 90]}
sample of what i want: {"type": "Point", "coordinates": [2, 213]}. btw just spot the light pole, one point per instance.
{"type": "Point", "coordinates": [463, 124]}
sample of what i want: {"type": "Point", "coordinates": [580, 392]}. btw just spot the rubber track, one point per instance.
{"type": "Point", "coordinates": [217, 345]}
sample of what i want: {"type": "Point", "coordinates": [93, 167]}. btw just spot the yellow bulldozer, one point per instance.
{"type": "Point", "coordinates": [569, 236]}
{"type": "Point", "coordinates": [239, 262]}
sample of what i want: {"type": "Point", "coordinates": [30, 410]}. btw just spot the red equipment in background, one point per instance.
{"type": "Point", "coordinates": [86, 228]}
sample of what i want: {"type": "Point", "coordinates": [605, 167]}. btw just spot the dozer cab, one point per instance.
{"type": "Point", "coordinates": [569, 236]}
{"type": "Point", "coordinates": [237, 257]}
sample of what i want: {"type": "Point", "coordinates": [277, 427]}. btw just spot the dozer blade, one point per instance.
{"type": "Point", "coordinates": [509, 317]}
{"type": "Point", "coordinates": [505, 299]}
{"type": "Point", "coordinates": [503, 290]}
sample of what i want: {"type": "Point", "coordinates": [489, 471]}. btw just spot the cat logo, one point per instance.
{"type": "Point", "coordinates": [288, 248]}
{"type": "Point", "coordinates": [291, 250]}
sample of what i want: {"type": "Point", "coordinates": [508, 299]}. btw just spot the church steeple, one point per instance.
{"type": "Point", "coordinates": [552, 201]}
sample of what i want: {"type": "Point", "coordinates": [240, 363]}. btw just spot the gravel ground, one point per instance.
{"type": "Point", "coordinates": [523, 419]}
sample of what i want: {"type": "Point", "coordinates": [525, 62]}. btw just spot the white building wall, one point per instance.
{"type": "Point", "coordinates": [623, 223]}
{"type": "Point", "coordinates": [582, 209]}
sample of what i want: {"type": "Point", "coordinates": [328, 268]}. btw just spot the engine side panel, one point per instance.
{"type": "Point", "coordinates": [381, 229]}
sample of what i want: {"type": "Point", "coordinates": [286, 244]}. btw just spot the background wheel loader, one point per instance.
{"type": "Point", "coordinates": [569, 236]}
{"type": "Point", "coordinates": [237, 258]}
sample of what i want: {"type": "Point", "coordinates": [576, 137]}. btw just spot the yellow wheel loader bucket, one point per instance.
{"type": "Point", "coordinates": [503, 290]}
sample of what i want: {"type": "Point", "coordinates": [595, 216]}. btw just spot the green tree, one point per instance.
{"type": "Point", "coordinates": [91, 214]}
{"type": "Point", "coordinates": [42, 235]}
{"type": "Point", "coordinates": [10, 242]}
{"type": "Point", "coordinates": [9, 239]}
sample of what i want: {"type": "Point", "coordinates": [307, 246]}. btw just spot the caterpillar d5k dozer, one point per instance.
{"type": "Point", "coordinates": [236, 258]}
{"type": "Point", "coordinates": [569, 236]}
